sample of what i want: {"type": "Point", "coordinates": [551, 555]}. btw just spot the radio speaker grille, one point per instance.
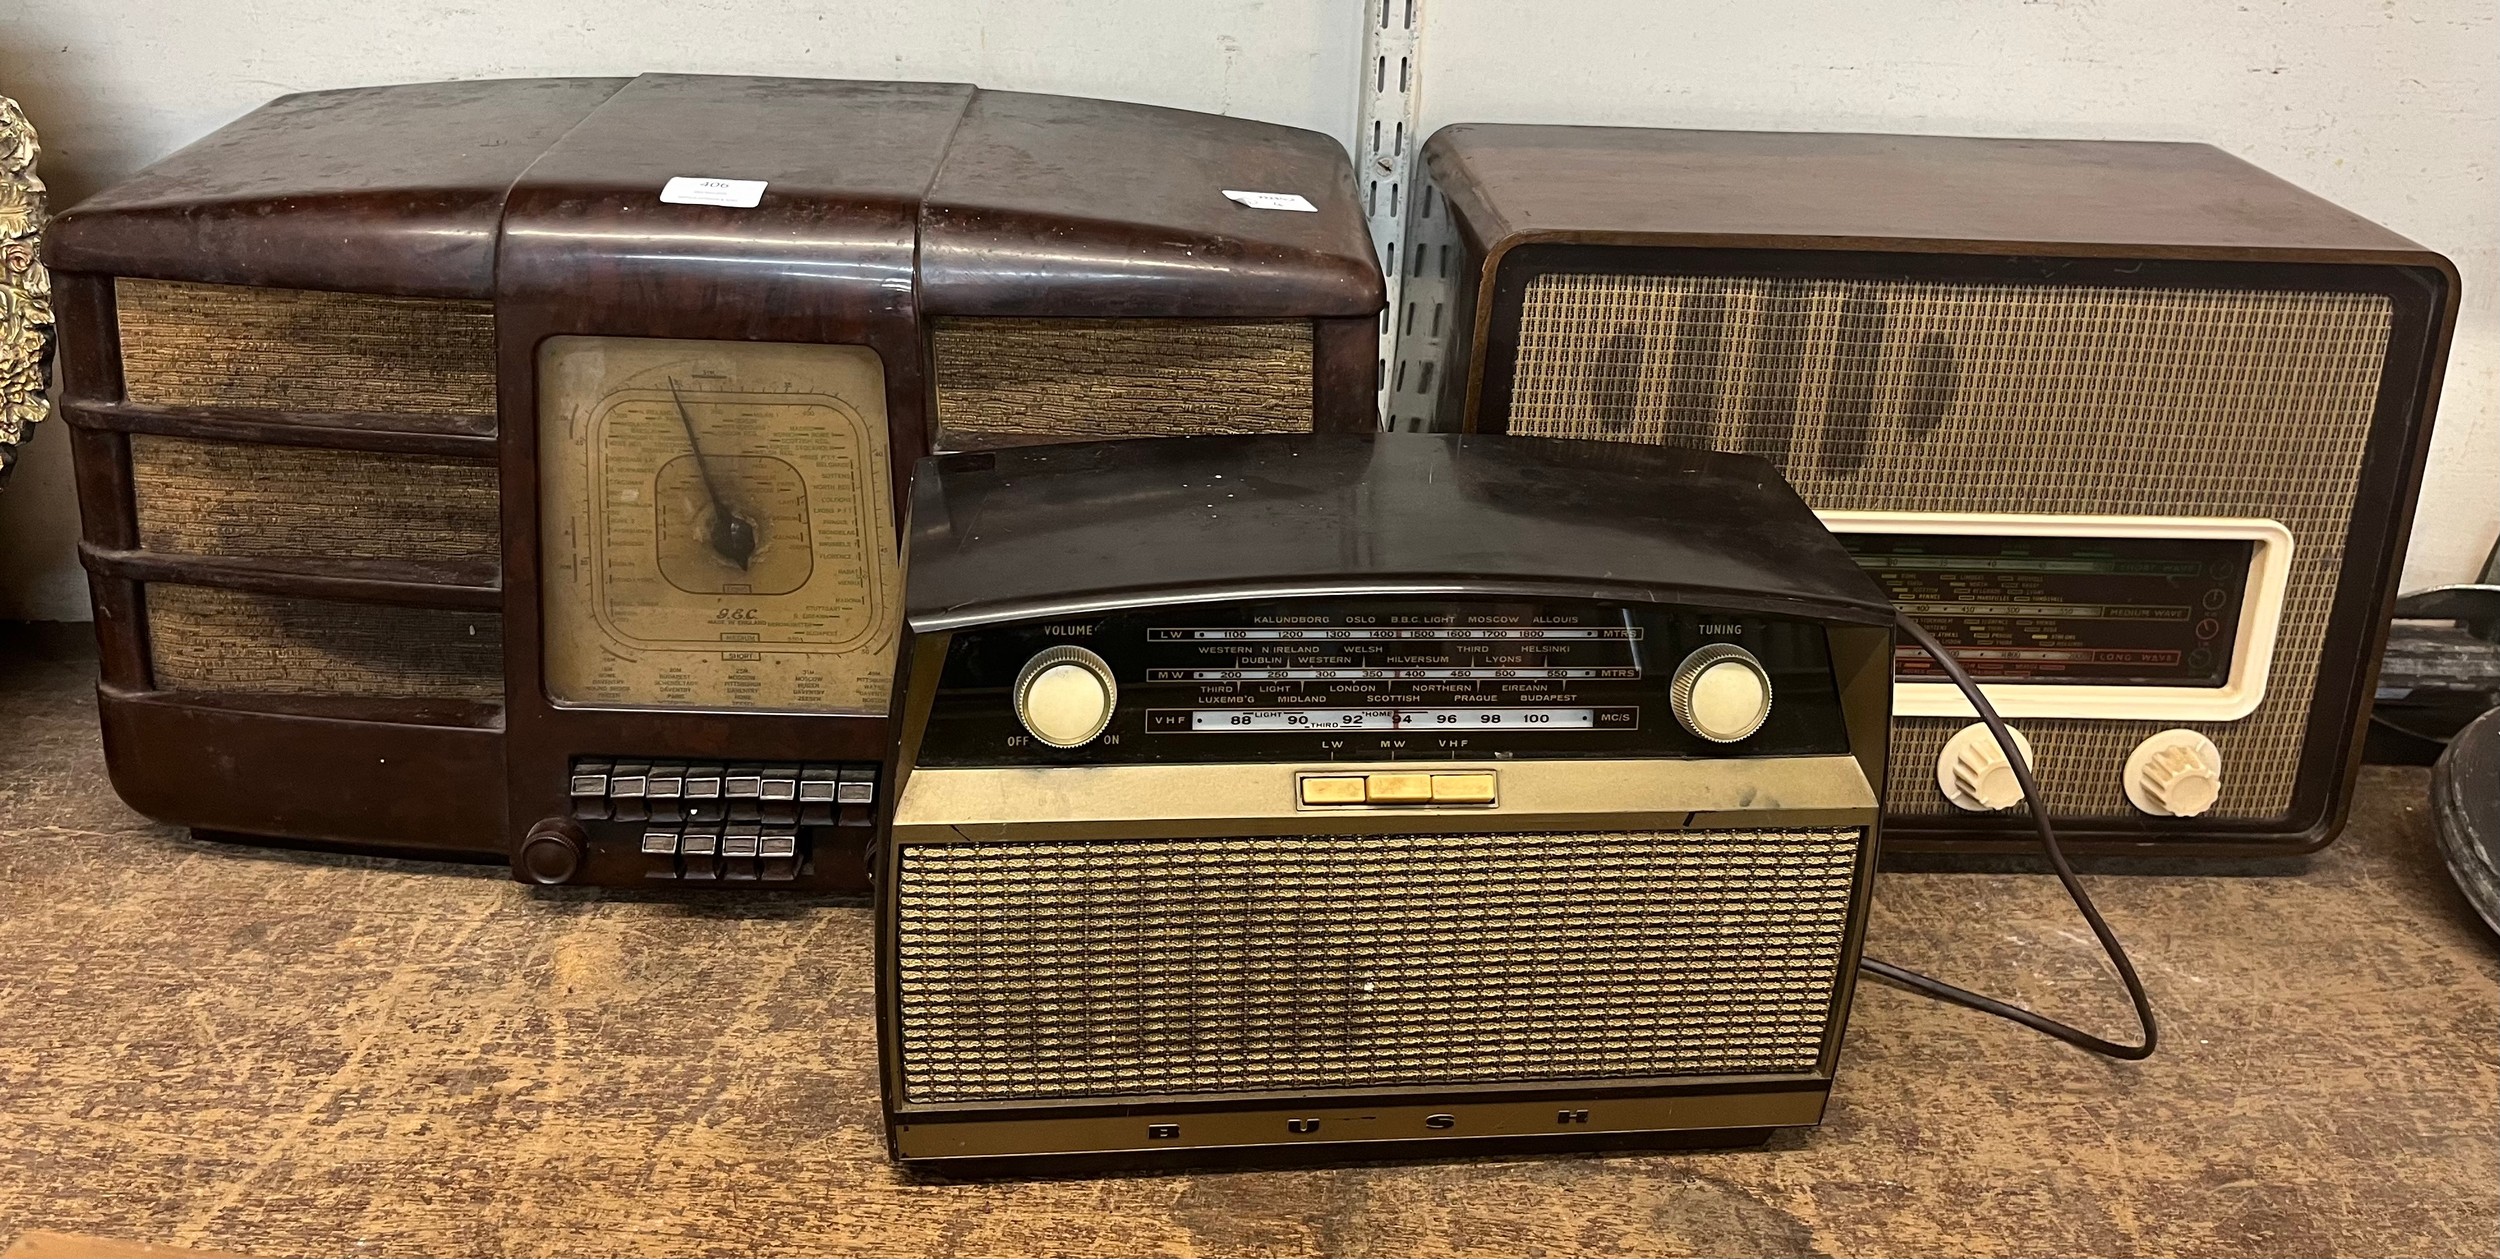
{"type": "Point", "coordinates": [1018, 381]}
{"type": "Point", "coordinates": [236, 498]}
{"type": "Point", "coordinates": [1193, 966]}
{"type": "Point", "coordinates": [220, 345]}
{"type": "Point", "coordinates": [216, 641]}
{"type": "Point", "coordinates": [2001, 398]}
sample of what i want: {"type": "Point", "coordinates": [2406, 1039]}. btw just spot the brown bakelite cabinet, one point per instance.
{"type": "Point", "coordinates": [302, 363]}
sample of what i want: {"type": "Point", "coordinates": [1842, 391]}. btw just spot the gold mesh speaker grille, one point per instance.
{"type": "Point", "coordinates": [1170, 966]}
{"type": "Point", "coordinates": [1015, 381]}
{"type": "Point", "coordinates": [232, 498]}
{"type": "Point", "coordinates": [232, 642]}
{"type": "Point", "coordinates": [221, 345]}
{"type": "Point", "coordinates": [2002, 398]}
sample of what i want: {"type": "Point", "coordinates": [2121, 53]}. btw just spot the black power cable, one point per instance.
{"type": "Point", "coordinates": [1943, 991]}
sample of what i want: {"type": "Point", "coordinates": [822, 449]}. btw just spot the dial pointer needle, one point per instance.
{"type": "Point", "coordinates": [733, 535]}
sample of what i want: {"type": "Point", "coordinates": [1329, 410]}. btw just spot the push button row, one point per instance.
{"type": "Point", "coordinates": [737, 852]}
{"type": "Point", "coordinates": [1467, 787]}
{"type": "Point", "coordinates": [676, 793]}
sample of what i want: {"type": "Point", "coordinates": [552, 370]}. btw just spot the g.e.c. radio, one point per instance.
{"type": "Point", "coordinates": [472, 469]}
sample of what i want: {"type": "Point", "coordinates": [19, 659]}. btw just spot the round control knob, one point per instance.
{"type": "Point", "coordinates": [1064, 696]}
{"type": "Point", "coordinates": [1975, 772]}
{"type": "Point", "coordinates": [552, 852]}
{"type": "Point", "coordinates": [2174, 773]}
{"type": "Point", "coordinates": [1721, 693]}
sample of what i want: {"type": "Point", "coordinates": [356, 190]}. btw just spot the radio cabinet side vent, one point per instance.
{"type": "Point", "coordinates": [217, 345]}
{"type": "Point", "coordinates": [217, 641]}
{"type": "Point", "coordinates": [1018, 381]}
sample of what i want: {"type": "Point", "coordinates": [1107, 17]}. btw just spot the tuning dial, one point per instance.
{"type": "Point", "coordinates": [1721, 693]}
{"type": "Point", "coordinates": [1975, 772]}
{"type": "Point", "coordinates": [1064, 696]}
{"type": "Point", "coordinates": [2175, 773]}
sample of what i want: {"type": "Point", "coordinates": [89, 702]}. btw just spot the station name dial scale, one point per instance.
{"type": "Point", "coordinates": [714, 526]}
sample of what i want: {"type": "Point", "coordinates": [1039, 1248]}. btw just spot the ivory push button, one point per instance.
{"type": "Point", "coordinates": [1340, 789]}
{"type": "Point", "coordinates": [1398, 788]}
{"type": "Point", "coordinates": [1462, 788]}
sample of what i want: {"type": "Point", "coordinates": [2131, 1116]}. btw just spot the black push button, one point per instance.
{"type": "Point", "coordinates": [699, 855]}
{"type": "Point", "coordinates": [777, 856]}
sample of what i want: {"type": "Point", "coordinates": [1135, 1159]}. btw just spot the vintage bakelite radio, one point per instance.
{"type": "Point", "coordinates": [1328, 795]}
{"type": "Point", "coordinates": [2137, 429]}
{"type": "Point", "coordinates": [515, 468]}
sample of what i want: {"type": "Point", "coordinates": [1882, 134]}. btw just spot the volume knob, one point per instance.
{"type": "Point", "coordinates": [1064, 696]}
{"type": "Point", "coordinates": [2175, 773]}
{"type": "Point", "coordinates": [1721, 693]}
{"type": "Point", "coordinates": [1976, 774]}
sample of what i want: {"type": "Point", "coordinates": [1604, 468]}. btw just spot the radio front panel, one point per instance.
{"type": "Point", "coordinates": [1322, 679]}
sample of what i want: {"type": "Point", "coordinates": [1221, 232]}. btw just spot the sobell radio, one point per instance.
{"type": "Point", "coordinates": [1322, 795]}
{"type": "Point", "coordinates": [2137, 429]}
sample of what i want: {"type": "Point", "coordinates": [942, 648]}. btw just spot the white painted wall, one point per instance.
{"type": "Point", "coordinates": [2390, 107]}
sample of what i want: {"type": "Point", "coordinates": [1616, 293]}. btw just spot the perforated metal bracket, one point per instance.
{"type": "Point", "coordinates": [1385, 143]}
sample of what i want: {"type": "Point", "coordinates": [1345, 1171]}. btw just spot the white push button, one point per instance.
{"type": "Point", "coordinates": [1721, 693]}
{"type": "Point", "coordinates": [1065, 695]}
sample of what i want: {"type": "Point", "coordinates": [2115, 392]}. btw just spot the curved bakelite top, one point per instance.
{"type": "Point", "coordinates": [1055, 205]}
{"type": "Point", "coordinates": [370, 189]}
{"type": "Point", "coordinates": [1041, 531]}
{"type": "Point", "coordinates": [1013, 203]}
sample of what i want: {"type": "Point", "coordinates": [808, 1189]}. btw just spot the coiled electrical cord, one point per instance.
{"type": "Point", "coordinates": [1943, 991]}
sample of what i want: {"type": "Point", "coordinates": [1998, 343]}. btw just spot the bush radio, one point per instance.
{"type": "Point", "coordinates": [1338, 795]}
{"type": "Point", "coordinates": [2137, 428]}
{"type": "Point", "coordinates": [514, 468]}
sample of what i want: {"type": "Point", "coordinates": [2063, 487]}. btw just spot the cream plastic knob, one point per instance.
{"type": "Point", "coordinates": [2174, 773]}
{"type": "Point", "coordinates": [1064, 696]}
{"type": "Point", "coordinates": [1721, 693]}
{"type": "Point", "coordinates": [1976, 774]}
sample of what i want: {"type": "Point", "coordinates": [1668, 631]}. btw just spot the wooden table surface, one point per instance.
{"type": "Point", "coordinates": [282, 1053]}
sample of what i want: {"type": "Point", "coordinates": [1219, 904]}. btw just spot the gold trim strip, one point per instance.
{"type": "Point", "coordinates": [1148, 801]}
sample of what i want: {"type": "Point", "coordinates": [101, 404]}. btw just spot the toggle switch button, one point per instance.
{"type": "Point", "coordinates": [1462, 788]}
{"type": "Point", "coordinates": [1398, 788]}
{"type": "Point", "coordinates": [1338, 789]}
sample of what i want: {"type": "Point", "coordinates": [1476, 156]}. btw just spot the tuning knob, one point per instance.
{"type": "Point", "coordinates": [1064, 696]}
{"type": "Point", "coordinates": [1721, 693]}
{"type": "Point", "coordinates": [1975, 772]}
{"type": "Point", "coordinates": [2175, 773]}
{"type": "Point", "coordinates": [552, 852]}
